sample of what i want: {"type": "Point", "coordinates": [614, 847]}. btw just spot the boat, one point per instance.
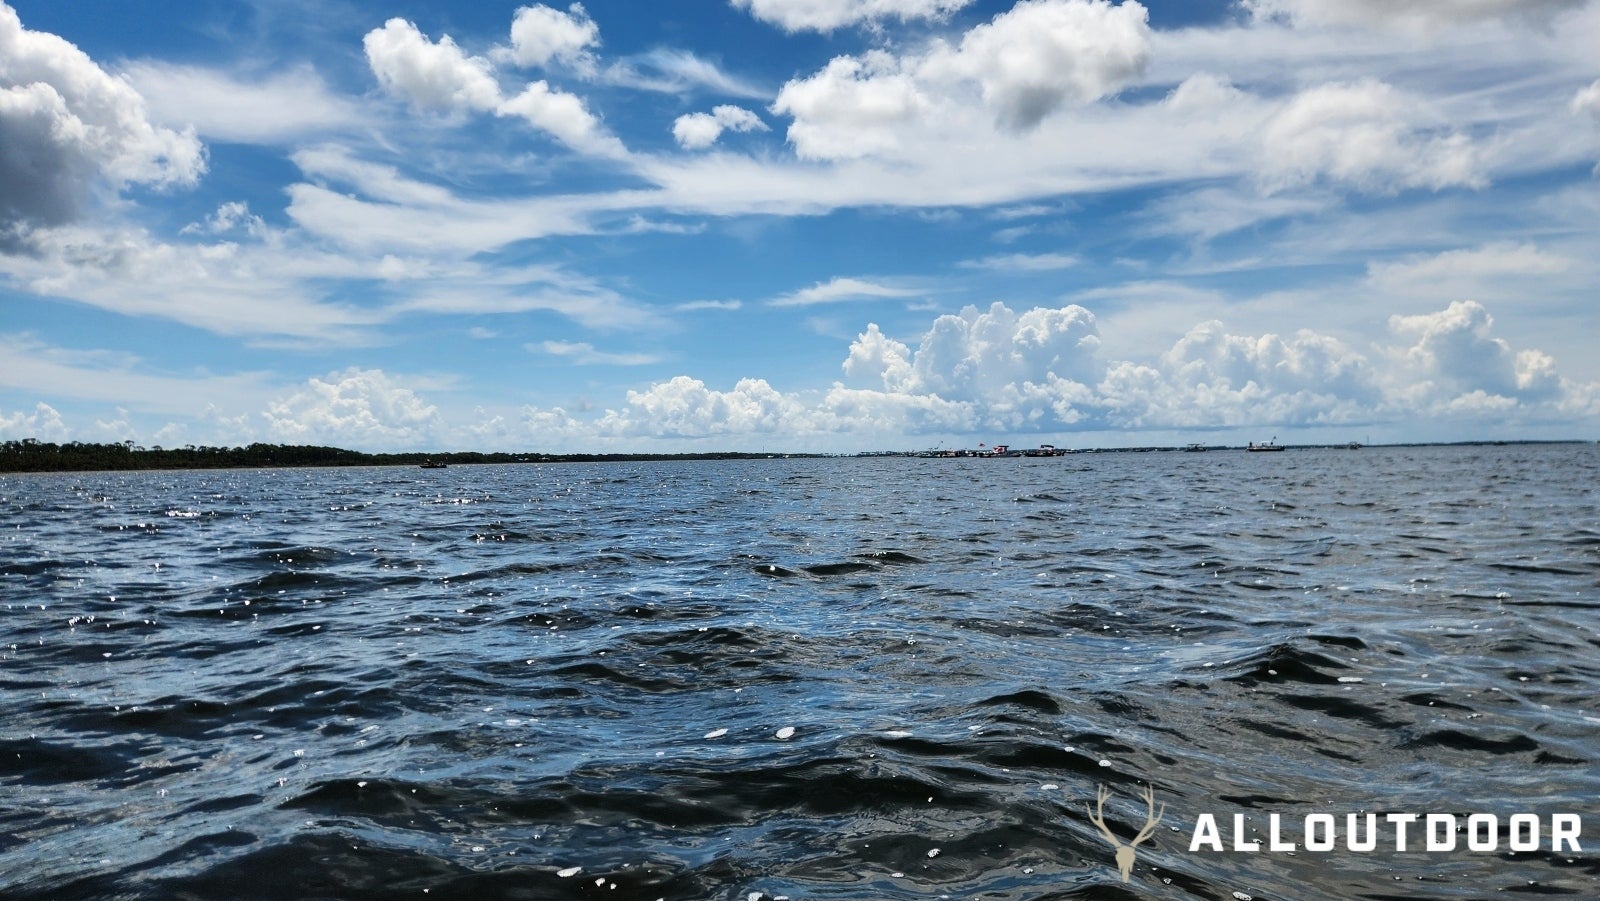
{"type": "Point", "coordinates": [1272, 445]}
{"type": "Point", "coordinates": [1354, 445]}
{"type": "Point", "coordinates": [432, 464]}
{"type": "Point", "coordinates": [1195, 448]}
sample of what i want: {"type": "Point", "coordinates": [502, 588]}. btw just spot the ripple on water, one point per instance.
{"type": "Point", "coordinates": [858, 679]}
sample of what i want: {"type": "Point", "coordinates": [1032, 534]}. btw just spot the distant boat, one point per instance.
{"type": "Point", "coordinates": [433, 464]}
{"type": "Point", "coordinates": [1354, 445]}
{"type": "Point", "coordinates": [1272, 445]}
{"type": "Point", "coordinates": [1195, 448]}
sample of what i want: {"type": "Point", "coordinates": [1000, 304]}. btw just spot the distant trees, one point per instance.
{"type": "Point", "coordinates": [32, 455]}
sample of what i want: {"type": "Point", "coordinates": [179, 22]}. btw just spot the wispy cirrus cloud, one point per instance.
{"type": "Point", "coordinates": [841, 289]}
{"type": "Point", "coordinates": [678, 71]}
{"type": "Point", "coordinates": [283, 107]}
{"type": "Point", "coordinates": [582, 353]}
{"type": "Point", "coordinates": [1022, 262]}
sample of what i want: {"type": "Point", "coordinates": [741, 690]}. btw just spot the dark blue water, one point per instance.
{"type": "Point", "coordinates": [866, 679]}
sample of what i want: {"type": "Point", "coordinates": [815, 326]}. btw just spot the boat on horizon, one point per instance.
{"type": "Point", "coordinates": [1272, 445]}
{"type": "Point", "coordinates": [432, 464]}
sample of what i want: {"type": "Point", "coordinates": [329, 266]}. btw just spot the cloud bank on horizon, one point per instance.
{"type": "Point", "coordinates": [799, 224]}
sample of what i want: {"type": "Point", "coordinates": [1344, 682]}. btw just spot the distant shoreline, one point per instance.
{"type": "Point", "coordinates": [30, 455]}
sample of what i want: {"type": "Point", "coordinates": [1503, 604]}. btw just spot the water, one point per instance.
{"type": "Point", "coordinates": [867, 679]}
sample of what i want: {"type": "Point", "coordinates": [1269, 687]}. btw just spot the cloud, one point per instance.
{"type": "Point", "coordinates": [1023, 262]}
{"type": "Point", "coordinates": [673, 71]}
{"type": "Point", "coordinates": [1460, 271]}
{"type": "Point", "coordinates": [854, 107]}
{"type": "Point", "coordinates": [994, 355]}
{"type": "Point", "coordinates": [440, 77]}
{"type": "Point", "coordinates": [264, 288]}
{"type": "Point", "coordinates": [231, 216]}
{"type": "Point", "coordinates": [1044, 54]}
{"type": "Point", "coordinates": [1409, 14]}
{"type": "Point", "coordinates": [435, 77]}
{"type": "Point", "coordinates": [1456, 356]}
{"type": "Point", "coordinates": [583, 354]}
{"type": "Point", "coordinates": [39, 369]}
{"type": "Point", "coordinates": [697, 131]}
{"type": "Point", "coordinates": [336, 163]}
{"type": "Point", "coordinates": [1016, 70]}
{"type": "Point", "coordinates": [280, 108]}
{"type": "Point", "coordinates": [66, 127]}
{"type": "Point", "coordinates": [684, 407]}
{"type": "Point", "coordinates": [1213, 378]}
{"type": "Point", "coordinates": [878, 361]}
{"type": "Point", "coordinates": [468, 289]}
{"type": "Point", "coordinates": [1587, 101]}
{"type": "Point", "coordinates": [697, 305]}
{"type": "Point", "coordinates": [540, 35]}
{"type": "Point", "coordinates": [564, 116]}
{"type": "Point", "coordinates": [828, 15]}
{"type": "Point", "coordinates": [1362, 135]}
{"type": "Point", "coordinates": [43, 423]}
{"type": "Point", "coordinates": [841, 289]}
{"type": "Point", "coordinates": [1216, 122]}
{"type": "Point", "coordinates": [361, 407]}
{"type": "Point", "coordinates": [1039, 371]}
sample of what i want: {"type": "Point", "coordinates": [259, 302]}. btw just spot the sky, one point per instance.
{"type": "Point", "coordinates": [798, 225]}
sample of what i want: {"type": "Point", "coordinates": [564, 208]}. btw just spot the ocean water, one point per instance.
{"type": "Point", "coordinates": [839, 678]}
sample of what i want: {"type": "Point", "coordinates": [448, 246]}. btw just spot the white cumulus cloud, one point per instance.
{"type": "Point", "coordinates": [696, 131]}
{"type": "Point", "coordinates": [1456, 356]}
{"type": "Point", "coordinates": [361, 407]}
{"type": "Point", "coordinates": [854, 107]}
{"type": "Point", "coordinates": [985, 369]}
{"type": "Point", "coordinates": [1019, 68]}
{"type": "Point", "coordinates": [685, 407]}
{"type": "Point", "coordinates": [563, 115]}
{"type": "Point", "coordinates": [1043, 54]}
{"type": "Point", "coordinates": [434, 76]}
{"type": "Point", "coordinates": [66, 126]}
{"type": "Point", "coordinates": [43, 423]}
{"type": "Point", "coordinates": [1212, 377]}
{"type": "Point", "coordinates": [441, 77]}
{"type": "Point", "coordinates": [1363, 135]}
{"type": "Point", "coordinates": [540, 34]}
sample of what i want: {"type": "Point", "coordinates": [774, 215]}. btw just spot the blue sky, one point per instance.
{"type": "Point", "coordinates": [798, 225]}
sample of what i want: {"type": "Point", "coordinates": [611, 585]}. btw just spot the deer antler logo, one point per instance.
{"type": "Point", "coordinates": [1125, 853]}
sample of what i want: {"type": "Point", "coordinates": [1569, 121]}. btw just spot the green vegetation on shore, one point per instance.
{"type": "Point", "coordinates": [30, 455]}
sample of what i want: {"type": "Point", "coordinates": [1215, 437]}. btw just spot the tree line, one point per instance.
{"type": "Point", "coordinates": [31, 455]}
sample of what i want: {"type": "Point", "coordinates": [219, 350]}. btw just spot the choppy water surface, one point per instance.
{"type": "Point", "coordinates": [869, 679]}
